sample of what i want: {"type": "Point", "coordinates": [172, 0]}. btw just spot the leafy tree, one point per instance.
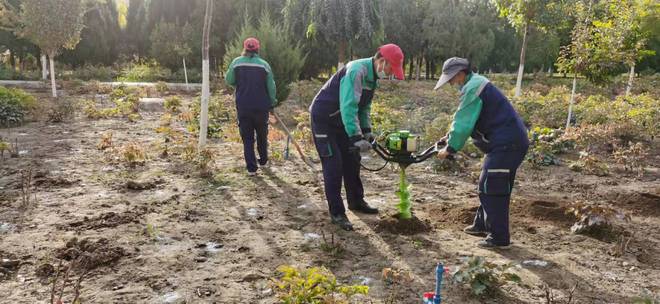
{"type": "Point", "coordinates": [170, 43]}
{"type": "Point", "coordinates": [523, 14]}
{"type": "Point", "coordinates": [346, 22]}
{"type": "Point", "coordinates": [52, 25]}
{"type": "Point", "coordinates": [100, 38]}
{"type": "Point", "coordinates": [405, 26]}
{"type": "Point", "coordinates": [630, 18]}
{"type": "Point", "coordinates": [278, 48]}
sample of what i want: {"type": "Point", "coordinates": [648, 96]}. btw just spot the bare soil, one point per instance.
{"type": "Point", "coordinates": [161, 233]}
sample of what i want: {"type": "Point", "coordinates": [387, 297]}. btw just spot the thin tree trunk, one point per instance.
{"type": "Point", "coordinates": [44, 67]}
{"type": "Point", "coordinates": [410, 67]}
{"type": "Point", "coordinates": [206, 92]}
{"type": "Point", "coordinates": [428, 70]}
{"type": "Point", "coordinates": [521, 67]}
{"type": "Point", "coordinates": [52, 74]}
{"type": "Point", "coordinates": [341, 54]}
{"type": "Point", "coordinates": [418, 67]}
{"type": "Point", "coordinates": [630, 79]}
{"type": "Point", "coordinates": [185, 73]}
{"type": "Point", "coordinates": [570, 105]}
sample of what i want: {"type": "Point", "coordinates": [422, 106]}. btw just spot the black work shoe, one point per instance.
{"type": "Point", "coordinates": [362, 207]}
{"type": "Point", "coordinates": [342, 221]}
{"type": "Point", "coordinates": [488, 244]}
{"type": "Point", "coordinates": [471, 230]}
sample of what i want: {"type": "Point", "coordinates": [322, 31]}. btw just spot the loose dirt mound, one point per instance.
{"type": "Point", "coordinates": [453, 215]}
{"type": "Point", "coordinates": [393, 224]}
{"type": "Point", "coordinates": [544, 210]}
{"type": "Point", "coordinates": [89, 255]}
{"type": "Point", "coordinates": [106, 220]}
{"type": "Point", "coordinates": [640, 203]}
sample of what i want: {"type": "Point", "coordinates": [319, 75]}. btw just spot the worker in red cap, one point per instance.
{"type": "Point", "coordinates": [255, 98]}
{"type": "Point", "coordinates": [341, 124]}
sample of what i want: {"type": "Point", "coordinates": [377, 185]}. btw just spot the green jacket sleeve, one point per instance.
{"type": "Point", "coordinates": [350, 91]}
{"type": "Point", "coordinates": [365, 117]}
{"type": "Point", "coordinates": [229, 76]}
{"type": "Point", "coordinates": [464, 120]}
{"type": "Point", "coordinates": [270, 85]}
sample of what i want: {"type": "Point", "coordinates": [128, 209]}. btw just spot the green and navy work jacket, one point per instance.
{"type": "Point", "coordinates": [346, 98]}
{"type": "Point", "coordinates": [487, 116]}
{"type": "Point", "coordinates": [254, 82]}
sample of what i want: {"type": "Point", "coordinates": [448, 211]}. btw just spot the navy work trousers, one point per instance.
{"type": "Point", "coordinates": [249, 124]}
{"type": "Point", "coordinates": [495, 184]}
{"type": "Point", "coordinates": [339, 162]}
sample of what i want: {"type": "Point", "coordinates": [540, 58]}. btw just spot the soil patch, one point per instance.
{"type": "Point", "coordinates": [106, 220]}
{"type": "Point", "coordinates": [453, 215]}
{"type": "Point", "coordinates": [639, 203]}
{"type": "Point", "coordinates": [90, 254]}
{"type": "Point", "coordinates": [393, 224]}
{"type": "Point", "coordinates": [544, 210]}
{"type": "Point", "coordinates": [9, 265]}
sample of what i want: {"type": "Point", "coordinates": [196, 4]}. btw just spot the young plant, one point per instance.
{"type": "Point", "coordinates": [332, 248]}
{"type": "Point", "coordinates": [483, 276]}
{"type": "Point", "coordinates": [173, 104]}
{"type": "Point", "coordinates": [590, 164]}
{"type": "Point", "coordinates": [65, 282]}
{"type": "Point", "coordinates": [26, 188]}
{"type": "Point", "coordinates": [105, 142]}
{"type": "Point", "coordinates": [4, 146]}
{"type": "Point", "coordinates": [592, 218]}
{"type": "Point", "coordinates": [314, 285]}
{"type": "Point", "coordinates": [132, 154]}
{"type": "Point", "coordinates": [632, 158]}
{"type": "Point", "coordinates": [161, 87]}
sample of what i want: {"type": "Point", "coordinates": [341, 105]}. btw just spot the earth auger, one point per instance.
{"type": "Point", "coordinates": [401, 147]}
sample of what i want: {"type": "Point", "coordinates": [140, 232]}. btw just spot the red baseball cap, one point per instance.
{"type": "Point", "coordinates": [394, 56]}
{"type": "Point", "coordinates": [251, 44]}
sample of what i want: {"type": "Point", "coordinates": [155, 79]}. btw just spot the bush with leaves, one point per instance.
{"type": "Point", "coordinates": [548, 110]}
{"type": "Point", "coordinates": [640, 113]}
{"type": "Point", "coordinates": [61, 110]}
{"type": "Point", "coordinates": [172, 104]}
{"type": "Point", "coordinates": [147, 71]}
{"type": "Point", "coordinates": [15, 104]}
{"type": "Point", "coordinates": [315, 285]}
{"type": "Point", "coordinates": [545, 144]}
{"type": "Point", "coordinates": [221, 111]}
{"type": "Point", "coordinates": [590, 164]}
{"type": "Point", "coordinates": [595, 218]}
{"type": "Point", "coordinates": [631, 156]}
{"type": "Point", "coordinates": [277, 47]}
{"type": "Point", "coordinates": [482, 276]}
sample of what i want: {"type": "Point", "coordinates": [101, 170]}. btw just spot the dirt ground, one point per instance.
{"type": "Point", "coordinates": [160, 233]}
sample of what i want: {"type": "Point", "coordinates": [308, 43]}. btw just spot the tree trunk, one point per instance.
{"type": "Point", "coordinates": [206, 91]}
{"type": "Point", "coordinates": [44, 67]}
{"type": "Point", "coordinates": [630, 79]}
{"type": "Point", "coordinates": [410, 67]}
{"type": "Point", "coordinates": [428, 70]}
{"type": "Point", "coordinates": [185, 73]}
{"type": "Point", "coordinates": [418, 67]}
{"type": "Point", "coordinates": [521, 67]}
{"type": "Point", "coordinates": [570, 105]}
{"type": "Point", "coordinates": [341, 54]}
{"type": "Point", "coordinates": [52, 75]}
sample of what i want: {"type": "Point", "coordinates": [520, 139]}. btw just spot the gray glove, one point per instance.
{"type": "Point", "coordinates": [363, 145]}
{"type": "Point", "coordinates": [370, 137]}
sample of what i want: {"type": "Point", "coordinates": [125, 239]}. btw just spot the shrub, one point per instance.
{"type": "Point", "coordinates": [640, 112]}
{"type": "Point", "coordinates": [91, 72]}
{"type": "Point", "coordinates": [172, 104]}
{"type": "Point", "coordinates": [132, 154]}
{"type": "Point", "coordinates": [595, 218]}
{"type": "Point", "coordinates": [545, 144]}
{"type": "Point", "coordinates": [548, 110]}
{"type": "Point", "coordinates": [483, 276]}
{"type": "Point", "coordinates": [62, 109]}
{"type": "Point", "coordinates": [278, 48]}
{"type": "Point", "coordinates": [140, 71]}
{"type": "Point", "coordinates": [631, 157]}
{"type": "Point", "coordinates": [590, 164]}
{"type": "Point", "coordinates": [15, 104]}
{"type": "Point", "coordinates": [194, 75]}
{"type": "Point", "coordinates": [313, 285]}
{"type": "Point", "coordinates": [438, 128]}
{"type": "Point", "coordinates": [161, 87]}
{"type": "Point", "coordinates": [221, 110]}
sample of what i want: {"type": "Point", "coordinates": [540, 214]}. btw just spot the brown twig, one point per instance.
{"type": "Point", "coordinates": [57, 276]}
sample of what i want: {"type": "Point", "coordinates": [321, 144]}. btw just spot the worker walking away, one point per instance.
{"type": "Point", "coordinates": [255, 98]}
{"type": "Point", "coordinates": [487, 116]}
{"type": "Point", "coordinates": [341, 124]}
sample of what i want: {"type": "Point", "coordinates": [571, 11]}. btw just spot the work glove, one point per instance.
{"type": "Point", "coordinates": [363, 145]}
{"type": "Point", "coordinates": [370, 137]}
